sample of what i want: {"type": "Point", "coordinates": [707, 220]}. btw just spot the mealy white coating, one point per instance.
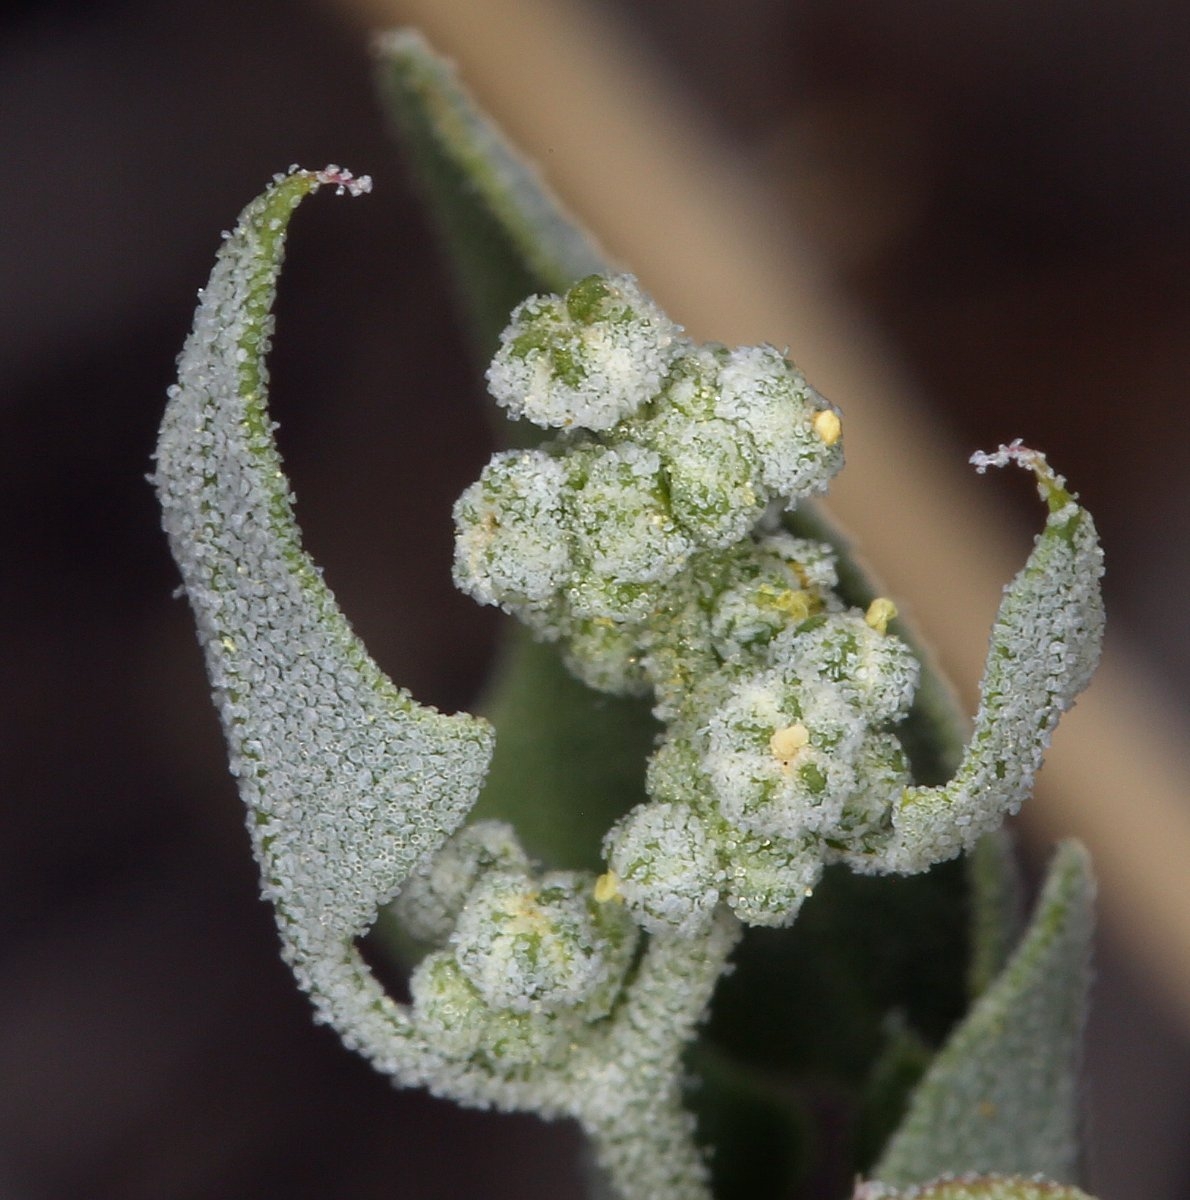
{"type": "Point", "coordinates": [644, 1136]}
{"type": "Point", "coordinates": [767, 396]}
{"type": "Point", "coordinates": [622, 534]}
{"type": "Point", "coordinates": [349, 783]}
{"type": "Point", "coordinates": [584, 360]}
{"type": "Point", "coordinates": [430, 901]}
{"type": "Point", "coordinates": [1045, 644]}
{"type": "Point", "coordinates": [769, 878]}
{"type": "Point", "coordinates": [709, 465]}
{"type": "Point", "coordinates": [542, 944]}
{"type": "Point", "coordinates": [453, 1015]}
{"type": "Point", "coordinates": [760, 792]}
{"type": "Point", "coordinates": [511, 546]}
{"type": "Point", "coordinates": [666, 863]}
{"type": "Point", "coordinates": [875, 672]}
{"type": "Point", "coordinates": [784, 581]}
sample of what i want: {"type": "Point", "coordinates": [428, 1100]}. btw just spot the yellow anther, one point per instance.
{"type": "Point", "coordinates": [880, 612]}
{"type": "Point", "coordinates": [828, 426]}
{"type": "Point", "coordinates": [796, 605]}
{"type": "Point", "coordinates": [607, 887]}
{"type": "Point", "coordinates": [786, 743]}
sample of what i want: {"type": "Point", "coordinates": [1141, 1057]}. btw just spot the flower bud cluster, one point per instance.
{"type": "Point", "coordinates": [777, 765]}
{"type": "Point", "coordinates": [525, 959]}
{"type": "Point", "coordinates": [644, 539]}
{"type": "Point", "coordinates": [584, 360]}
{"type": "Point", "coordinates": [670, 452]}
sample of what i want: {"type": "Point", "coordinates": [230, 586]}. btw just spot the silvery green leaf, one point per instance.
{"type": "Point", "coordinates": [1044, 647]}
{"type": "Point", "coordinates": [349, 783]}
{"type": "Point", "coordinates": [1002, 1094]}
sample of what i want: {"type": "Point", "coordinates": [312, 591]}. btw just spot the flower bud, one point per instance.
{"type": "Point", "coordinates": [584, 360]}
{"type": "Point", "coordinates": [542, 945]}
{"type": "Point", "coordinates": [666, 866]}
{"type": "Point", "coordinates": [510, 544]}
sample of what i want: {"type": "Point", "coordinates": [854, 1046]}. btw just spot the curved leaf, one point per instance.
{"type": "Point", "coordinates": [349, 783]}
{"type": "Point", "coordinates": [1044, 647]}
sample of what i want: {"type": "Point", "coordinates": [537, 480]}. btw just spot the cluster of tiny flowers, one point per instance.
{"type": "Point", "coordinates": [524, 960]}
{"type": "Point", "coordinates": [668, 451]}
{"type": "Point", "coordinates": [777, 764]}
{"type": "Point", "coordinates": [644, 538]}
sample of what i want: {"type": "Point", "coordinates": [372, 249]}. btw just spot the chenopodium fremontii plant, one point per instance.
{"type": "Point", "coordinates": [648, 538]}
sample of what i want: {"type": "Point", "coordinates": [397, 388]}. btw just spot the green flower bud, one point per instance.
{"type": "Point", "coordinates": [665, 866]}
{"type": "Point", "coordinates": [778, 582]}
{"type": "Point", "coordinates": [586, 360]}
{"type": "Point", "coordinates": [876, 671]}
{"type": "Point", "coordinates": [455, 1019]}
{"type": "Point", "coordinates": [542, 945]}
{"type": "Point", "coordinates": [767, 879]}
{"type": "Point", "coordinates": [606, 656]}
{"type": "Point", "coordinates": [795, 431]}
{"type": "Point", "coordinates": [624, 537]}
{"type": "Point", "coordinates": [510, 544]}
{"type": "Point", "coordinates": [430, 902]}
{"type": "Point", "coordinates": [707, 463]}
{"type": "Point", "coordinates": [781, 757]}
{"type": "Point", "coordinates": [865, 824]}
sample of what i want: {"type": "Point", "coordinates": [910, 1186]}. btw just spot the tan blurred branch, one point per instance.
{"type": "Point", "coordinates": [633, 161]}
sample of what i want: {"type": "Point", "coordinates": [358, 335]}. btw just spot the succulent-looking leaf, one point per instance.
{"type": "Point", "coordinates": [975, 1187]}
{"type": "Point", "coordinates": [349, 783]}
{"type": "Point", "coordinates": [1044, 646]}
{"type": "Point", "coordinates": [1001, 1096]}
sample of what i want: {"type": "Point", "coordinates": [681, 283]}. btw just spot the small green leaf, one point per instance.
{"type": "Point", "coordinates": [1044, 647]}
{"type": "Point", "coordinates": [349, 783]}
{"type": "Point", "coordinates": [1002, 1095]}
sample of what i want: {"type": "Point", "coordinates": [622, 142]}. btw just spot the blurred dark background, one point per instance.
{"type": "Point", "coordinates": [1004, 188]}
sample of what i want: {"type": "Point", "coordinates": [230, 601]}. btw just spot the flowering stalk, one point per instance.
{"type": "Point", "coordinates": [646, 540]}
